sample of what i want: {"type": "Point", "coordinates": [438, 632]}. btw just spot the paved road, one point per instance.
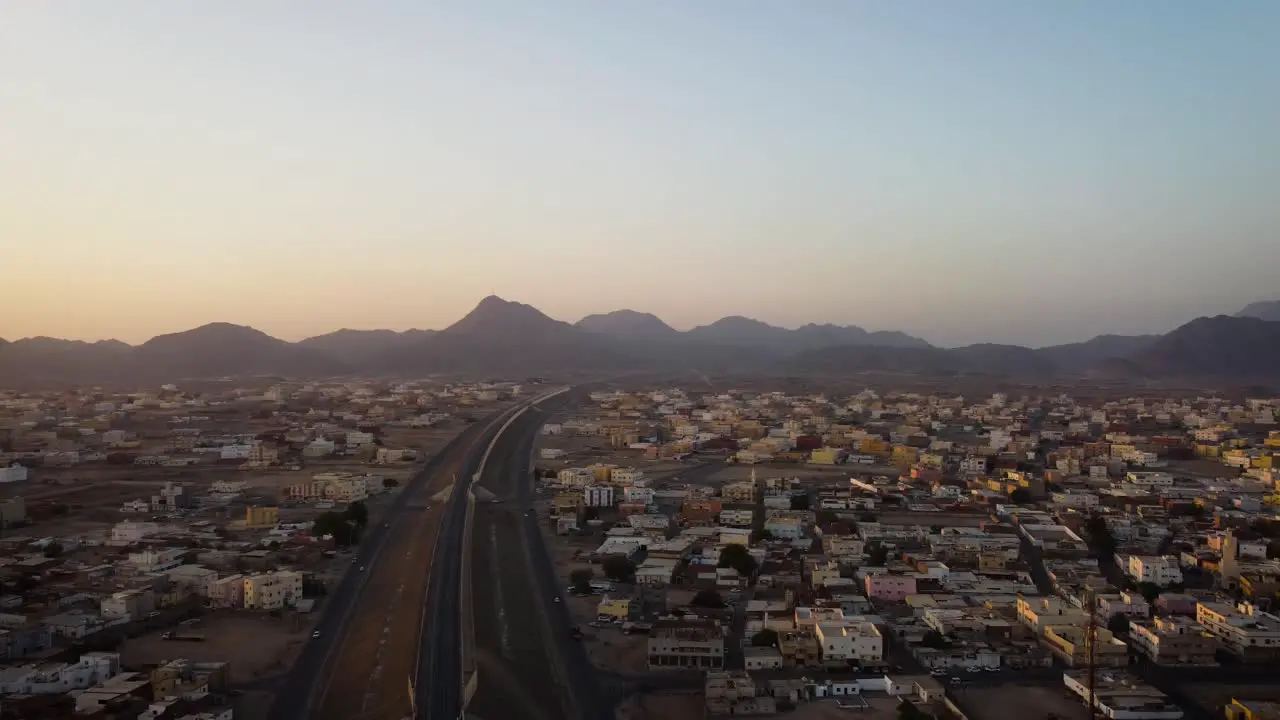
{"type": "Point", "coordinates": [531, 667]}
{"type": "Point", "coordinates": [299, 698]}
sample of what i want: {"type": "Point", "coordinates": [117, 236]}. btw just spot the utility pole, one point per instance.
{"type": "Point", "coordinates": [1090, 649]}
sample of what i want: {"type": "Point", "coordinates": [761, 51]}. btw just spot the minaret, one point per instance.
{"type": "Point", "coordinates": [1229, 568]}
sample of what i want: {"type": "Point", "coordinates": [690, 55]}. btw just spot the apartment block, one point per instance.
{"type": "Point", "coordinates": [686, 645]}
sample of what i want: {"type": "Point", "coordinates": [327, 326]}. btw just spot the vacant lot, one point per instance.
{"type": "Point", "coordinates": [255, 646]}
{"type": "Point", "coordinates": [662, 706]}
{"type": "Point", "coordinates": [1018, 702]}
{"type": "Point", "coordinates": [1211, 697]}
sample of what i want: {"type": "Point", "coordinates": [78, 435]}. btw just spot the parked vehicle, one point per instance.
{"type": "Point", "coordinates": [181, 637]}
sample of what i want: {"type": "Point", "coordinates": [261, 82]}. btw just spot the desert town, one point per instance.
{"type": "Point", "coordinates": [737, 552]}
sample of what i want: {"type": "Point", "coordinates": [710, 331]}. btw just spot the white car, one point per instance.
{"type": "Point", "coordinates": [315, 633]}
{"type": "Point", "coordinates": [555, 599]}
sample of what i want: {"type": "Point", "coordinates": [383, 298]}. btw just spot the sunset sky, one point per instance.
{"type": "Point", "coordinates": [1002, 171]}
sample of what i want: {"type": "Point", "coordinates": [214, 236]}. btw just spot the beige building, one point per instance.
{"type": "Point", "coordinates": [272, 591]}
{"type": "Point", "coordinates": [1068, 643]}
{"type": "Point", "coordinates": [1173, 641]}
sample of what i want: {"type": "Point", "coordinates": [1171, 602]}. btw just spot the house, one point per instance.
{"type": "Point", "coordinates": [13, 473]}
{"type": "Point", "coordinates": [272, 591]}
{"type": "Point", "coordinates": [1173, 641]}
{"type": "Point", "coordinates": [686, 645]}
{"type": "Point", "coordinates": [613, 608]}
{"type": "Point", "coordinates": [889, 586]}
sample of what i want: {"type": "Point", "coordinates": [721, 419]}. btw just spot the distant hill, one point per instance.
{"type": "Point", "coordinates": [221, 349]}
{"type": "Point", "coordinates": [1240, 348]}
{"type": "Point", "coordinates": [1083, 355]}
{"type": "Point", "coordinates": [362, 347]}
{"type": "Point", "coordinates": [502, 337]}
{"type": "Point", "coordinates": [499, 338]}
{"type": "Point", "coordinates": [51, 360]}
{"type": "Point", "coordinates": [1262, 310]}
{"type": "Point", "coordinates": [630, 325]}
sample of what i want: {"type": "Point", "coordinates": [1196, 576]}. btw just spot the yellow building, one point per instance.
{"type": "Point", "coordinates": [1252, 710]}
{"type": "Point", "coordinates": [1207, 450]}
{"type": "Point", "coordinates": [601, 471]}
{"type": "Point", "coordinates": [614, 608]}
{"type": "Point", "coordinates": [905, 455]}
{"type": "Point", "coordinates": [567, 504]}
{"type": "Point", "coordinates": [824, 456]}
{"type": "Point", "coordinates": [1264, 462]}
{"type": "Point", "coordinates": [874, 446]}
{"type": "Point", "coordinates": [261, 516]}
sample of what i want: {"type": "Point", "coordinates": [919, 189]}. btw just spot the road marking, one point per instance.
{"type": "Point", "coordinates": [497, 580]}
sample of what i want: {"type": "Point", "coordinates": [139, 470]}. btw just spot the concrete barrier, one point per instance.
{"type": "Point", "coordinates": [467, 661]}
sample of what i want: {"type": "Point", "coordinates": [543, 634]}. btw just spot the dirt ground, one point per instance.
{"type": "Point", "coordinates": [877, 708]}
{"type": "Point", "coordinates": [662, 706]}
{"type": "Point", "coordinates": [1011, 702]}
{"type": "Point", "coordinates": [275, 641]}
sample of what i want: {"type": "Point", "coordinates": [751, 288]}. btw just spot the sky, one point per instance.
{"type": "Point", "coordinates": [994, 171]}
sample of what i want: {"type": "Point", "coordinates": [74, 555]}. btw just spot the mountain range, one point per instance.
{"type": "Point", "coordinates": [503, 338]}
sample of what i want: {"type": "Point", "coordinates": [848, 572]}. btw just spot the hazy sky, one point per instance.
{"type": "Point", "coordinates": [999, 171]}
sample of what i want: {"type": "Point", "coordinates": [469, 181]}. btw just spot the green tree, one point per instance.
{"type": "Point", "coordinates": [1118, 624]}
{"type": "Point", "coordinates": [1020, 496]}
{"type": "Point", "coordinates": [934, 639]}
{"type": "Point", "coordinates": [53, 550]}
{"type": "Point", "coordinates": [737, 557]}
{"type": "Point", "coordinates": [357, 514]}
{"type": "Point", "coordinates": [707, 599]}
{"type": "Point", "coordinates": [765, 638]}
{"type": "Point", "coordinates": [1149, 590]}
{"type": "Point", "coordinates": [334, 524]}
{"type": "Point", "coordinates": [759, 536]}
{"type": "Point", "coordinates": [1100, 536]}
{"type": "Point", "coordinates": [877, 555]}
{"type": "Point", "coordinates": [618, 568]}
{"type": "Point", "coordinates": [800, 502]}
{"type": "Point", "coordinates": [581, 580]}
{"type": "Point", "coordinates": [390, 482]}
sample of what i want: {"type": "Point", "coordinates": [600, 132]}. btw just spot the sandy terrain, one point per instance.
{"type": "Point", "coordinates": [274, 643]}
{"type": "Point", "coordinates": [662, 706]}
{"type": "Point", "coordinates": [1011, 702]}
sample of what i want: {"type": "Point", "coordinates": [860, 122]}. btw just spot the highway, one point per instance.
{"type": "Point", "coordinates": [530, 668]}
{"type": "Point", "coordinates": [358, 668]}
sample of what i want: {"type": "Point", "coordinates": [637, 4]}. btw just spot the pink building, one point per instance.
{"type": "Point", "coordinates": [893, 588]}
{"type": "Point", "coordinates": [1176, 604]}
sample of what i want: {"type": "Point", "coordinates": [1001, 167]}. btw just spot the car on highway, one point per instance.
{"type": "Point", "coordinates": [361, 568]}
{"type": "Point", "coordinates": [555, 599]}
{"type": "Point", "coordinates": [315, 633]}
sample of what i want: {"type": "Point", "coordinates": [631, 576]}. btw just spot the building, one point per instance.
{"type": "Point", "coordinates": [1121, 696]}
{"type": "Point", "coordinates": [13, 512]}
{"type": "Point", "coordinates": [846, 643]}
{"type": "Point", "coordinates": [686, 645]}
{"type": "Point", "coordinates": [626, 476]}
{"type": "Point", "coordinates": [736, 518]}
{"type": "Point", "coordinates": [1160, 570]}
{"type": "Point", "coordinates": [272, 591]}
{"type": "Point", "coordinates": [1173, 641]}
{"type": "Point", "coordinates": [613, 608]}
{"type": "Point", "coordinates": [890, 587]}
{"type": "Point", "coordinates": [227, 592]}
{"type": "Point", "coordinates": [1244, 630]}
{"type": "Point", "coordinates": [1069, 644]}
{"type": "Point", "coordinates": [265, 516]}
{"type": "Point", "coordinates": [156, 560]}
{"type": "Point", "coordinates": [740, 492]}
{"type": "Point", "coordinates": [13, 473]}
{"type": "Point", "coordinates": [128, 604]}
{"type": "Point", "coordinates": [575, 477]}
{"type": "Point", "coordinates": [598, 496]}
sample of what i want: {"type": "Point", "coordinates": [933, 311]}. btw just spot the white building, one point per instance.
{"type": "Point", "coordinates": [635, 494]}
{"type": "Point", "coordinates": [736, 518]}
{"type": "Point", "coordinates": [13, 473]}
{"type": "Point", "coordinates": [598, 496]}
{"type": "Point", "coordinates": [57, 678]}
{"type": "Point", "coordinates": [235, 452]}
{"type": "Point", "coordinates": [1243, 629]}
{"type": "Point", "coordinates": [320, 447]}
{"type": "Point", "coordinates": [1077, 500]}
{"type": "Point", "coordinates": [359, 439]}
{"type": "Point", "coordinates": [155, 561]}
{"type": "Point", "coordinates": [127, 532]}
{"type": "Point", "coordinates": [1162, 570]}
